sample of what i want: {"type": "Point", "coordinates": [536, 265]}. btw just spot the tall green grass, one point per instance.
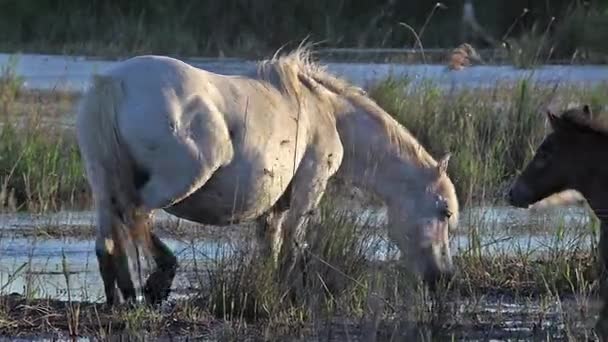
{"type": "Point", "coordinates": [491, 132]}
{"type": "Point", "coordinates": [40, 167]}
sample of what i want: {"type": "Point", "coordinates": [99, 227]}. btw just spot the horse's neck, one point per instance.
{"type": "Point", "coordinates": [373, 161]}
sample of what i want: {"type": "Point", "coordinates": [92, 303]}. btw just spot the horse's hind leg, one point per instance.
{"type": "Point", "coordinates": [112, 257]}
{"type": "Point", "coordinates": [158, 285]}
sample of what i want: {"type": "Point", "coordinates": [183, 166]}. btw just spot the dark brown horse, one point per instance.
{"type": "Point", "coordinates": [573, 156]}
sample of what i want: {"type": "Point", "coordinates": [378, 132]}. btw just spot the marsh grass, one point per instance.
{"type": "Point", "coordinates": [491, 132]}
{"type": "Point", "coordinates": [531, 48]}
{"type": "Point", "coordinates": [355, 281]}
{"type": "Point", "coordinates": [40, 168]}
{"type": "Point", "coordinates": [355, 286]}
{"type": "Point", "coordinates": [335, 274]}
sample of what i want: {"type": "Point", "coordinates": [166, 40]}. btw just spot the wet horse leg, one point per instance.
{"type": "Point", "coordinates": [269, 233]}
{"type": "Point", "coordinates": [107, 269]}
{"type": "Point", "coordinates": [158, 285]}
{"type": "Point", "coordinates": [112, 258]}
{"type": "Point", "coordinates": [309, 184]}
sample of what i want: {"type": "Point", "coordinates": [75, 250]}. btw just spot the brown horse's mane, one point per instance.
{"type": "Point", "coordinates": [582, 120]}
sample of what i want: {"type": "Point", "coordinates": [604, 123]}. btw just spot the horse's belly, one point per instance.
{"type": "Point", "coordinates": [225, 199]}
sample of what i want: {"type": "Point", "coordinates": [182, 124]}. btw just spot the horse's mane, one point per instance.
{"type": "Point", "coordinates": [584, 121]}
{"type": "Point", "coordinates": [295, 72]}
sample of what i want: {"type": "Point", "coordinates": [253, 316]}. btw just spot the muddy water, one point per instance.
{"type": "Point", "coordinates": [34, 263]}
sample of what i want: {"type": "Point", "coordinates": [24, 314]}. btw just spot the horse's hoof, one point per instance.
{"type": "Point", "coordinates": [156, 291]}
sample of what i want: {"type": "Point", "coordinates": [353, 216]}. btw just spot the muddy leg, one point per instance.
{"type": "Point", "coordinates": [310, 189]}
{"type": "Point", "coordinates": [112, 259]}
{"type": "Point", "coordinates": [123, 274]}
{"type": "Point", "coordinates": [269, 237]}
{"type": "Point", "coordinates": [108, 272]}
{"type": "Point", "coordinates": [158, 285]}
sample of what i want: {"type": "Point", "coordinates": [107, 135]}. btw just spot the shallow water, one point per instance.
{"type": "Point", "coordinates": [32, 262]}
{"type": "Point", "coordinates": [37, 264]}
{"type": "Point", "coordinates": [74, 72]}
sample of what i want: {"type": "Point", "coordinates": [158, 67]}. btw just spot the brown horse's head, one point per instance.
{"type": "Point", "coordinates": [568, 158]}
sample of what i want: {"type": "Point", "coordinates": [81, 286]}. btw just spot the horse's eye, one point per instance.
{"type": "Point", "coordinates": [442, 205]}
{"type": "Point", "coordinates": [447, 213]}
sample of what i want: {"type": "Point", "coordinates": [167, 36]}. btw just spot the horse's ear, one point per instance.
{"type": "Point", "coordinates": [442, 166]}
{"type": "Point", "coordinates": [587, 110]}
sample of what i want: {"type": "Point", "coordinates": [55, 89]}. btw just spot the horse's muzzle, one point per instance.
{"type": "Point", "coordinates": [518, 197]}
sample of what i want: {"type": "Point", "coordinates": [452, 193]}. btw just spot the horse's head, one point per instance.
{"type": "Point", "coordinates": [421, 226]}
{"type": "Point", "coordinates": [562, 161]}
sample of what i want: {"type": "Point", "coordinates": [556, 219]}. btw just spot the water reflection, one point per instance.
{"type": "Point", "coordinates": [33, 264]}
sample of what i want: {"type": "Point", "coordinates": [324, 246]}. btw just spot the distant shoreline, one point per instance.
{"type": "Point", "coordinates": [496, 56]}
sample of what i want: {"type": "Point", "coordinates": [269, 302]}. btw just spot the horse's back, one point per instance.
{"type": "Point", "coordinates": [169, 124]}
{"type": "Point", "coordinates": [213, 148]}
{"type": "Point", "coordinates": [166, 101]}
{"type": "Point", "coordinates": [185, 127]}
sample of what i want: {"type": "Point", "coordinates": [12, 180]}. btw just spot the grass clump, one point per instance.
{"type": "Point", "coordinates": [353, 279]}
{"type": "Point", "coordinates": [40, 167]}
{"type": "Point", "coordinates": [243, 287]}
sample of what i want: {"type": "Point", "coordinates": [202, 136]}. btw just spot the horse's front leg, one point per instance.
{"type": "Point", "coordinates": [269, 235]}
{"type": "Point", "coordinates": [308, 186]}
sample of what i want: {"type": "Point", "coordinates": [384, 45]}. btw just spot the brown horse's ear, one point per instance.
{"type": "Point", "coordinates": [587, 110]}
{"type": "Point", "coordinates": [442, 166]}
{"type": "Point", "coordinates": [553, 119]}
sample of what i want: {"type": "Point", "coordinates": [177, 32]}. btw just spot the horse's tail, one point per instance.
{"type": "Point", "coordinates": [109, 165]}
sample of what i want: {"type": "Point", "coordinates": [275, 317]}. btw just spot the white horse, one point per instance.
{"type": "Point", "coordinates": [155, 132]}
